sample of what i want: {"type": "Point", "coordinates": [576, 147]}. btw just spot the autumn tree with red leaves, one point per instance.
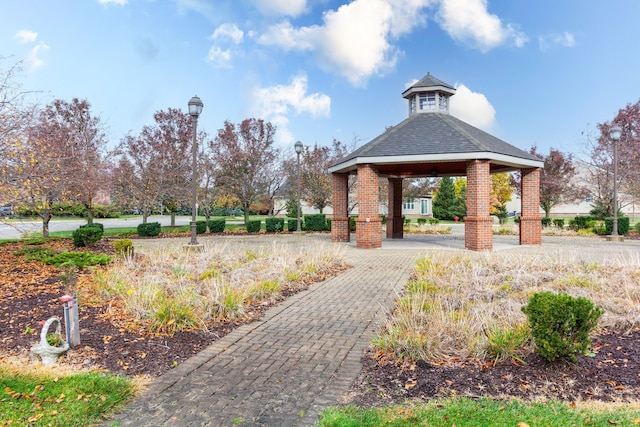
{"type": "Point", "coordinates": [171, 137]}
{"type": "Point", "coordinates": [77, 139]}
{"type": "Point", "coordinates": [601, 160]}
{"type": "Point", "coordinates": [62, 157]}
{"type": "Point", "coordinates": [246, 158]}
{"type": "Point", "coordinates": [16, 116]}
{"type": "Point", "coordinates": [314, 175]}
{"type": "Point", "coordinates": [155, 167]}
{"type": "Point", "coordinates": [557, 180]}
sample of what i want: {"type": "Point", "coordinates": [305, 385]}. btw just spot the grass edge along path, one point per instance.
{"type": "Point", "coordinates": [482, 412]}
{"type": "Point", "coordinates": [44, 398]}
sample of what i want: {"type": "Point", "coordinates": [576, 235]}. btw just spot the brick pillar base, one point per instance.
{"type": "Point", "coordinates": [369, 233]}
{"type": "Point", "coordinates": [530, 221]}
{"type": "Point", "coordinates": [478, 233]}
{"type": "Point", "coordinates": [340, 230]}
{"type": "Point", "coordinates": [368, 223]}
{"type": "Point", "coordinates": [395, 228]}
{"type": "Point", "coordinates": [531, 230]}
{"type": "Point", "coordinates": [478, 225]}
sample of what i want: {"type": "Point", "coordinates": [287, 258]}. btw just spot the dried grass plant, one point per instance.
{"type": "Point", "coordinates": [469, 306]}
{"type": "Point", "coordinates": [169, 289]}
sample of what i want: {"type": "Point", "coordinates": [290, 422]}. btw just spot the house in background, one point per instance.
{"type": "Point", "coordinates": [412, 207]}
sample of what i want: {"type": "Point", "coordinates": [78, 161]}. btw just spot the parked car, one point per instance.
{"type": "Point", "coordinates": [5, 211]}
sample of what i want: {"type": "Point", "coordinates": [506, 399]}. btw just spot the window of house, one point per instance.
{"type": "Point", "coordinates": [409, 204]}
{"type": "Point", "coordinates": [412, 105]}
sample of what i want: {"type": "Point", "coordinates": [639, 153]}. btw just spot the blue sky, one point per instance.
{"type": "Point", "coordinates": [541, 72]}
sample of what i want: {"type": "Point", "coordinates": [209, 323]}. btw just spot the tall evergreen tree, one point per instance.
{"type": "Point", "coordinates": [445, 204]}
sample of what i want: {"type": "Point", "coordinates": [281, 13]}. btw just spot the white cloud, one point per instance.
{"type": "Point", "coordinates": [291, 8]}
{"type": "Point", "coordinates": [117, 2]}
{"type": "Point", "coordinates": [356, 39]}
{"type": "Point", "coordinates": [219, 57]}
{"type": "Point", "coordinates": [565, 39]}
{"type": "Point", "coordinates": [277, 102]}
{"type": "Point", "coordinates": [470, 22]}
{"type": "Point", "coordinates": [473, 108]}
{"type": "Point", "coordinates": [33, 60]}
{"type": "Point", "coordinates": [288, 38]}
{"type": "Point", "coordinates": [228, 32]}
{"type": "Point", "coordinates": [26, 36]}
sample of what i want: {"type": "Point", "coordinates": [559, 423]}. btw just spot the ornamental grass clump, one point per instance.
{"type": "Point", "coordinates": [469, 307]}
{"type": "Point", "coordinates": [561, 324]}
{"type": "Point", "coordinates": [169, 290]}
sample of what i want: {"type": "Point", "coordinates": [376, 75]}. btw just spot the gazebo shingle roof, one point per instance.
{"type": "Point", "coordinates": [437, 134]}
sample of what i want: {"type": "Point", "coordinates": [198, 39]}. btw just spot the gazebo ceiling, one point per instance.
{"type": "Point", "coordinates": [435, 144]}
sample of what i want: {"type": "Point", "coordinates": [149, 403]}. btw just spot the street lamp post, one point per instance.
{"type": "Point", "coordinates": [615, 133]}
{"type": "Point", "coordinates": [298, 148]}
{"type": "Point", "coordinates": [195, 108]}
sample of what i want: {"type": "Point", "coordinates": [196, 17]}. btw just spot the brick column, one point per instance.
{"type": "Point", "coordinates": [478, 225]}
{"type": "Point", "coordinates": [530, 220]}
{"type": "Point", "coordinates": [340, 220]}
{"type": "Point", "coordinates": [368, 223]}
{"type": "Point", "coordinates": [394, 219]}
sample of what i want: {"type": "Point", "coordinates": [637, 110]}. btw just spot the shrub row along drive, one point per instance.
{"type": "Point", "coordinates": [318, 222]}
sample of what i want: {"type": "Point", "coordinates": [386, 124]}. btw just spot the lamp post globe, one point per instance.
{"type": "Point", "coordinates": [298, 147]}
{"type": "Point", "coordinates": [615, 133]}
{"type": "Point", "coordinates": [195, 108]}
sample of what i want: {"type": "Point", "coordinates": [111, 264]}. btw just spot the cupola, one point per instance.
{"type": "Point", "coordinates": [429, 95]}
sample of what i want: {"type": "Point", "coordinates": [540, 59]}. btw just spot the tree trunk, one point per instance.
{"type": "Point", "coordinates": [246, 214]}
{"type": "Point", "coordinates": [173, 218]}
{"type": "Point", "coordinates": [89, 214]}
{"type": "Point", "coordinates": [144, 217]}
{"type": "Point", "coordinates": [46, 217]}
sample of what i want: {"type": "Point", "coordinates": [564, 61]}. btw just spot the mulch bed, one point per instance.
{"type": "Point", "coordinates": [110, 339]}
{"type": "Point", "coordinates": [29, 293]}
{"type": "Point", "coordinates": [612, 374]}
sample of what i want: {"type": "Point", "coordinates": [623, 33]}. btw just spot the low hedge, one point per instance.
{"type": "Point", "coordinates": [86, 235]}
{"type": "Point", "coordinates": [316, 222]}
{"type": "Point", "coordinates": [150, 229]}
{"type": "Point", "coordinates": [274, 225]}
{"type": "Point", "coordinates": [217, 225]}
{"type": "Point", "coordinates": [95, 224]}
{"type": "Point", "coordinates": [253, 226]}
{"type": "Point", "coordinates": [580, 222]}
{"type": "Point", "coordinates": [292, 224]}
{"type": "Point", "coordinates": [201, 227]}
{"type": "Point", "coordinates": [623, 225]}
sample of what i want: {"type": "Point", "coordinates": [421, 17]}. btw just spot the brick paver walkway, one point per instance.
{"type": "Point", "coordinates": [284, 369]}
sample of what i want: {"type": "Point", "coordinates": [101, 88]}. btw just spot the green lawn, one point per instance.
{"type": "Point", "coordinates": [64, 401]}
{"type": "Point", "coordinates": [479, 413]}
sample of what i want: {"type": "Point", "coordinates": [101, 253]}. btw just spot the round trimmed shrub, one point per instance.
{"type": "Point", "coordinates": [150, 229]}
{"type": "Point", "coordinates": [560, 324]}
{"type": "Point", "coordinates": [217, 225]}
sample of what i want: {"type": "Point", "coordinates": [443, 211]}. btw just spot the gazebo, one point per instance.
{"type": "Point", "coordinates": [432, 143]}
